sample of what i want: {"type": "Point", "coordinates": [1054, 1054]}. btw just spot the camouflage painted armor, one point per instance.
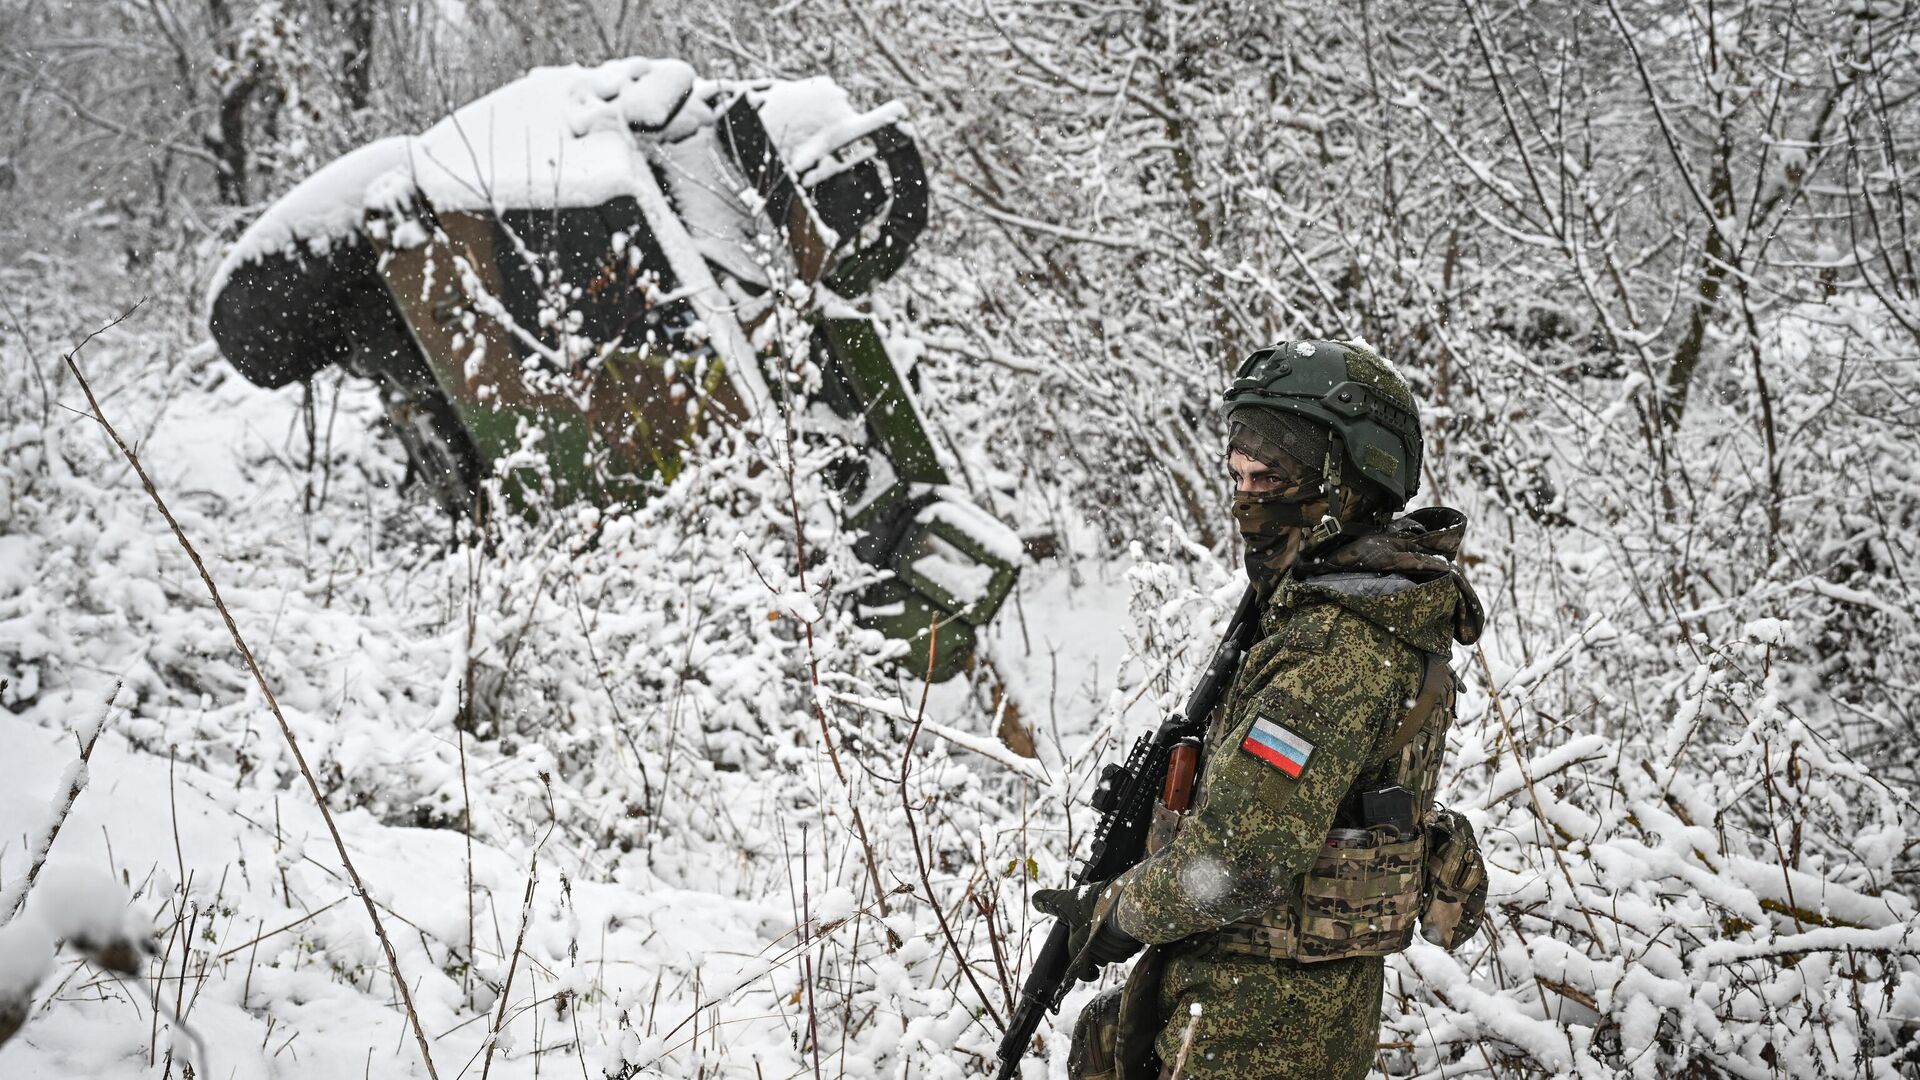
{"type": "Point", "coordinates": [1247, 899]}
{"type": "Point", "coordinates": [564, 283]}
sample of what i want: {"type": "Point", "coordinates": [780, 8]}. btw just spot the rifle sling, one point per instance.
{"type": "Point", "coordinates": [1435, 677]}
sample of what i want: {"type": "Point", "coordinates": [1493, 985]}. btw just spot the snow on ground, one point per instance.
{"type": "Point", "coordinates": [307, 1000]}
{"type": "Point", "coordinates": [669, 863]}
{"type": "Point", "coordinates": [318, 981]}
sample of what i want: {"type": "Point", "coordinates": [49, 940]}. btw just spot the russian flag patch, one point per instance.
{"type": "Point", "coordinates": [1277, 746]}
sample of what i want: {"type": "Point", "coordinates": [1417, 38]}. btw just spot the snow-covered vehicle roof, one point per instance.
{"type": "Point", "coordinates": [568, 136]}
{"type": "Point", "coordinates": [299, 290]}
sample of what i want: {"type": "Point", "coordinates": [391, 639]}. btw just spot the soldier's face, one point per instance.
{"type": "Point", "coordinates": [1274, 504]}
{"type": "Point", "coordinates": [1252, 476]}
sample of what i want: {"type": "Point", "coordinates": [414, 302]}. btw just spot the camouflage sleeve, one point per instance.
{"type": "Point", "coordinates": [1310, 717]}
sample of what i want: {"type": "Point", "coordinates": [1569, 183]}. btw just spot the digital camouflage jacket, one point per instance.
{"type": "Point", "coordinates": [1310, 717]}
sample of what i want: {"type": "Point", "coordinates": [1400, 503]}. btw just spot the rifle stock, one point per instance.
{"type": "Point", "coordinates": [1124, 798]}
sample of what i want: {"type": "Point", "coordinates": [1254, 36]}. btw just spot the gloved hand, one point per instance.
{"type": "Point", "coordinates": [1092, 938]}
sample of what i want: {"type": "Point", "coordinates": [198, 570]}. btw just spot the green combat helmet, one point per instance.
{"type": "Point", "coordinates": [587, 260]}
{"type": "Point", "coordinates": [1352, 391]}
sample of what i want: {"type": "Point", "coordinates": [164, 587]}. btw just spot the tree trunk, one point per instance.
{"type": "Point", "coordinates": [1713, 270]}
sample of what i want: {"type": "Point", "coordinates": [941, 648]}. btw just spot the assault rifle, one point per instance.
{"type": "Point", "coordinates": [1125, 798]}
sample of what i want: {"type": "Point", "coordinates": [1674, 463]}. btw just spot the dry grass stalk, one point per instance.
{"type": "Point", "coordinates": [788, 468]}
{"type": "Point", "coordinates": [913, 833]}
{"type": "Point", "coordinates": [806, 953]}
{"type": "Point", "coordinates": [466, 827]}
{"type": "Point", "coordinates": [513, 963]}
{"type": "Point", "coordinates": [260, 679]}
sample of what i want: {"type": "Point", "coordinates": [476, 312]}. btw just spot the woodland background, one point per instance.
{"type": "Point", "coordinates": [1651, 266]}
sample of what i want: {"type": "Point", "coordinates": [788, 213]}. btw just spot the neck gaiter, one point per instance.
{"type": "Point", "coordinates": [1274, 527]}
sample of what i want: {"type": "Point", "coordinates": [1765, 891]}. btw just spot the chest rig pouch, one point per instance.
{"type": "Point", "coordinates": [1414, 864]}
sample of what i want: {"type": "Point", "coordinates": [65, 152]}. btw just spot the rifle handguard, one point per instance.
{"type": "Point", "coordinates": [1183, 763]}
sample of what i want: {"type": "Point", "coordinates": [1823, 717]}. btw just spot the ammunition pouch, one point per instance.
{"type": "Point", "coordinates": [1139, 1018]}
{"type": "Point", "coordinates": [1456, 886]}
{"type": "Point", "coordinates": [1363, 901]}
{"type": "Point", "coordinates": [1113, 1037]}
{"type": "Point", "coordinates": [1094, 1052]}
{"type": "Point", "coordinates": [1353, 901]}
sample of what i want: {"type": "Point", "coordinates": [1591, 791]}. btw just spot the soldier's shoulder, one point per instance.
{"type": "Point", "coordinates": [1312, 643]}
{"type": "Point", "coordinates": [1318, 613]}
{"type": "Point", "coordinates": [1291, 620]}
{"type": "Point", "coordinates": [1418, 614]}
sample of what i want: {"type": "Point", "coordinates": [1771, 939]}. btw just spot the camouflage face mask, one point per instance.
{"type": "Point", "coordinates": [1274, 525]}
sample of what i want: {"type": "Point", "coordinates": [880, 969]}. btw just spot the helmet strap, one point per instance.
{"type": "Point", "coordinates": [1328, 526]}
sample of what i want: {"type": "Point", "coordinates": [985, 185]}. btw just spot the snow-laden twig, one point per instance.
{"type": "Point", "coordinates": [71, 784]}
{"type": "Point", "coordinates": [1546, 825]}
{"type": "Point", "coordinates": [989, 748]}
{"type": "Point", "coordinates": [1186, 1041]}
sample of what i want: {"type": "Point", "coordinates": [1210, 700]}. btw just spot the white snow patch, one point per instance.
{"type": "Point", "coordinates": [26, 958]}
{"type": "Point", "coordinates": [954, 508]}
{"type": "Point", "coordinates": [949, 568]}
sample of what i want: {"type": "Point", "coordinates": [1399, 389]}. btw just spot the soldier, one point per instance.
{"type": "Point", "coordinates": [1312, 847]}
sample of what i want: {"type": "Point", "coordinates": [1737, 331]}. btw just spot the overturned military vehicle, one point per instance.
{"type": "Point", "coordinates": [578, 263]}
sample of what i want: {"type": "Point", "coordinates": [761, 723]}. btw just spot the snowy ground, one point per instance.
{"type": "Point", "coordinates": [676, 953]}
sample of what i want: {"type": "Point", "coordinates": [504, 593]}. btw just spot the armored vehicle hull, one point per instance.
{"type": "Point", "coordinates": [577, 263]}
